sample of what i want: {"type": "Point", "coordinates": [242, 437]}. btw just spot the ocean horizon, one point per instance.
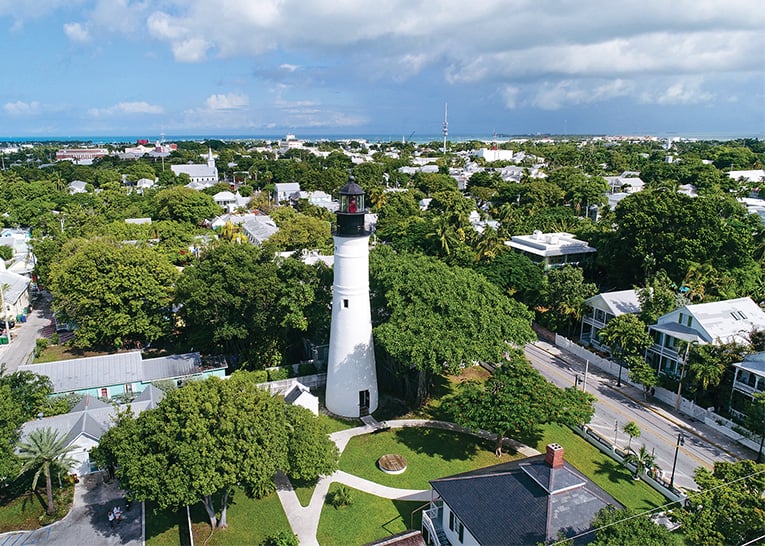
{"type": "Point", "coordinates": [368, 137]}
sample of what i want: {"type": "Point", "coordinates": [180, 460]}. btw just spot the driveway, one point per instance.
{"type": "Point", "coordinates": [87, 522]}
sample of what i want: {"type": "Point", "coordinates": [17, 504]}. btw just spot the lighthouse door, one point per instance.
{"type": "Point", "coordinates": [363, 403]}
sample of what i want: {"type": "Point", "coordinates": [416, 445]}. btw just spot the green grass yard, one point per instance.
{"type": "Point", "coordinates": [250, 521]}
{"type": "Point", "coordinates": [21, 509]}
{"type": "Point", "coordinates": [368, 518]}
{"type": "Point", "coordinates": [430, 453]}
{"type": "Point", "coordinates": [614, 478]}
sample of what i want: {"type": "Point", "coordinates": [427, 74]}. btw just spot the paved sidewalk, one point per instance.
{"type": "Point", "coordinates": [87, 521]}
{"type": "Point", "coordinates": [689, 424]}
{"type": "Point", "coordinates": [304, 520]}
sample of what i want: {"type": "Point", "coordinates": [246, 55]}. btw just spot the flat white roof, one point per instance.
{"type": "Point", "coordinates": [550, 244]}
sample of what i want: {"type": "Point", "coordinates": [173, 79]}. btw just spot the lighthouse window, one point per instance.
{"type": "Point", "coordinates": [345, 304]}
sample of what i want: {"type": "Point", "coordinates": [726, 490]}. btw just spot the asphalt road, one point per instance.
{"type": "Point", "coordinates": [613, 409]}
{"type": "Point", "coordinates": [23, 337]}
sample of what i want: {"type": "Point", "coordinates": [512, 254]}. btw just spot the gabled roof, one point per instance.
{"type": "Point", "coordinates": [719, 321]}
{"type": "Point", "coordinates": [16, 285]}
{"type": "Point", "coordinates": [115, 369]}
{"type": "Point", "coordinates": [92, 417]}
{"type": "Point", "coordinates": [617, 303]}
{"type": "Point", "coordinates": [506, 503]}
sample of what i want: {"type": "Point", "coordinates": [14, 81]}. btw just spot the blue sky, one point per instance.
{"type": "Point", "coordinates": [342, 67]}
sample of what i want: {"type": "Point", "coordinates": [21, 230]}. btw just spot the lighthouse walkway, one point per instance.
{"type": "Point", "coordinates": [304, 520]}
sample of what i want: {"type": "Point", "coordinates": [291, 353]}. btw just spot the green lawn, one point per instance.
{"type": "Point", "coordinates": [368, 518]}
{"type": "Point", "coordinates": [614, 478]}
{"type": "Point", "coordinates": [430, 454]}
{"type": "Point", "coordinates": [20, 509]}
{"type": "Point", "coordinates": [250, 521]}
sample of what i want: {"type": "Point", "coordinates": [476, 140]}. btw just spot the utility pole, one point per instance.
{"type": "Point", "coordinates": [680, 442]}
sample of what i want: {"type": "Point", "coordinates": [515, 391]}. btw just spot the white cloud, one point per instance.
{"type": "Point", "coordinates": [510, 95]}
{"type": "Point", "coordinates": [681, 92]}
{"type": "Point", "coordinates": [138, 107]}
{"type": "Point", "coordinates": [20, 108]}
{"type": "Point", "coordinates": [191, 51]}
{"type": "Point", "coordinates": [77, 32]}
{"type": "Point", "coordinates": [231, 101]}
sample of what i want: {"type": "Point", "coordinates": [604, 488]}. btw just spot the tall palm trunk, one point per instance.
{"type": "Point", "coordinates": [49, 491]}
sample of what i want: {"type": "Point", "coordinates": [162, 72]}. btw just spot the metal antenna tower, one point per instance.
{"type": "Point", "coordinates": [445, 130]}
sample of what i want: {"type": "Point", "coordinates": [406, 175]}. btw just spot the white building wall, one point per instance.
{"type": "Point", "coordinates": [453, 536]}
{"type": "Point", "coordinates": [351, 359]}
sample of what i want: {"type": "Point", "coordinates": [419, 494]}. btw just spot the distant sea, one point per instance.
{"type": "Point", "coordinates": [370, 138]}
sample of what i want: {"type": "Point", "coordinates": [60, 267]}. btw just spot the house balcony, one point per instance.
{"type": "Point", "coordinates": [746, 388]}
{"type": "Point", "coordinates": [431, 522]}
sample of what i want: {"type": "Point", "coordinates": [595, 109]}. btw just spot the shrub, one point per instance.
{"type": "Point", "coordinates": [282, 538]}
{"type": "Point", "coordinates": [306, 368]}
{"type": "Point", "coordinates": [54, 339]}
{"type": "Point", "coordinates": [40, 345]}
{"type": "Point", "coordinates": [341, 497]}
{"type": "Point", "coordinates": [260, 376]}
{"type": "Point", "coordinates": [275, 374]}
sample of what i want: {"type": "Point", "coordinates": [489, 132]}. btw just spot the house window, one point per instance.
{"type": "Point", "coordinates": [129, 388]}
{"type": "Point", "coordinates": [456, 526]}
{"type": "Point", "coordinates": [345, 304]}
{"type": "Point", "coordinates": [104, 392]}
{"type": "Point", "coordinates": [690, 321]}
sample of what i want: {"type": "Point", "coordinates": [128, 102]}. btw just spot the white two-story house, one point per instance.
{"type": "Point", "coordinates": [729, 321]}
{"type": "Point", "coordinates": [603, 307]}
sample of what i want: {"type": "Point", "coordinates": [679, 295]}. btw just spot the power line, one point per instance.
{"type": "Point", "coordinates": [647, 512]}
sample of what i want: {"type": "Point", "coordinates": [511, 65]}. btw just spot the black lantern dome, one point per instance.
{"type": "Point", "coordinates": [350, 216]}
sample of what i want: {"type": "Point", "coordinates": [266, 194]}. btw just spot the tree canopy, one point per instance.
{"type": "Point", "coordinates": [237, 300]}
{"type": "Point", "coordinates": [515, 400]}
{"type": "Point", "coordinates": [117, 294]}
{"type": "Point", "coordinates": [210, 435]}
{"type": "Point", "coordinates": [432, 318]}
{"type": "Point", "coordinates": [729, 507]}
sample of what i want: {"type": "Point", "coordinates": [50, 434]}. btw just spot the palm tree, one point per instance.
{"type": "Point", "coordinates": [642, 460]}
{"type": "Point", "coordinates": [632, 430]}
{"type": "Point", "coordinates": [44, 451]}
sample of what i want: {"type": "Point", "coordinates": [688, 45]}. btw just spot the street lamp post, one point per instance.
{"type": "Point", "coordinates": [680, 442]}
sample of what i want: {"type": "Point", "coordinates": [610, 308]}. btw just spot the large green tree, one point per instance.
{"type": "Point", "coordinates": [729, 507]}
{"type": "Point", "coordinates": [431, 318]}
{"type": "Point", "coordinates": [209, 436]}
{"type": "Point", "coordinates": [679, 232]}
{"type": "Point", "coordinates": [116, 294]}
{"type": "Point", "coordinates": [515, 400]}
{"type": "Point", "coordinates": [562, 298]}
{"type": "Point", "coordinates": [183, 204]}
{"type": "Point", "coordinates": [237, 300]}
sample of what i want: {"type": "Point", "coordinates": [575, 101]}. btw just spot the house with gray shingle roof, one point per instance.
{"type": "Point", "coordinates": [84, 425]}
{"type": "Point", "coordinates": [529, 501]}
{"type": "Point", "coordinates": [122, 373]}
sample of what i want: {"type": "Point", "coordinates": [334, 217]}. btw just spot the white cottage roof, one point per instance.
{"type": "Point", "coordinates": [617, 303]}
{"type": "Point", "coordinates": [723, 321]}
{"type": "Point", "coordinates": [17, 284]}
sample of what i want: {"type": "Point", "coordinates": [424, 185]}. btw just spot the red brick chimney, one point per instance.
{"type": "Point", "coordinates": [554, 456]}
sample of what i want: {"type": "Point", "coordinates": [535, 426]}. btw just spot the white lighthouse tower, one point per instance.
{"type": "Point", "coordinates": [351, 374]}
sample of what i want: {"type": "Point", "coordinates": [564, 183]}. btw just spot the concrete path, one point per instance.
{"type": "Point", "coordinates": [87, 521]}
{"type": "Point", "coordinates": [304, 520]}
